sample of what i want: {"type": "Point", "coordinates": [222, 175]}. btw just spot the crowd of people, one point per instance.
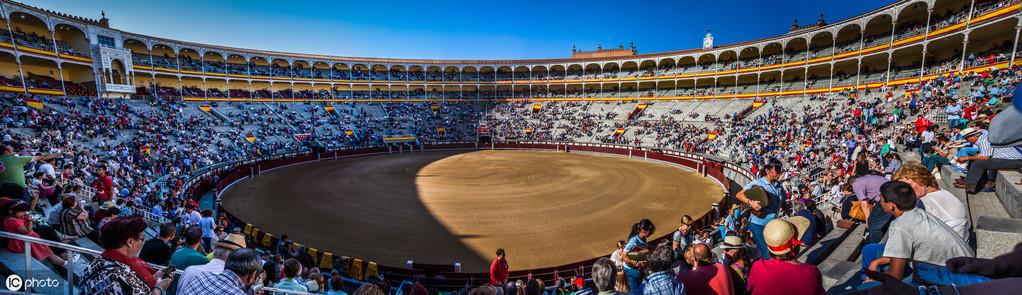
{"type": "Point", "coordinates": [104, 170]}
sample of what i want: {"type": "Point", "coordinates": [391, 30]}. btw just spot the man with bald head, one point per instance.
{"type": "Point", "coordinates": [706, 277]}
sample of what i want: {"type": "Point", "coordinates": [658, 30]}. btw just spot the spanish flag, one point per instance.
{"type": "Point", "coordinates": [328, 108]}
{"type": "Point", "coordinates": [528, 130]}
{"type": "Point", "coordinates": [441, 130]}
{"type": "Point", "coordinates": [757, 103]}
{"type": "Point", "coordinates": [711, 135]}
{"type": "Point", "coordinates": [619, 131]}
{"type": "Point", "coordinates": [349, 132]}
{"type": "Point", "coordinates": [641, 107]}
{"type": "Point", "coordinates": [206, 108]}
{"type": "Point", "coordinates": [537, 107]}
{"type": "Point", "coordinates": [147, 150]}
{"type": "Point", "coordinates": [250, 138]}
{"type": "Point", "coordinates": [435, 107]}
{"type": "Point", "coordinates": [35, 103]}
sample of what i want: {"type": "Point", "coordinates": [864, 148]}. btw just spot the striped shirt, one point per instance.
{"type": "Point", "coordinates": [1004, 153]}
{"type": "Point", "coordinates": [212, 283]}
{"type": "Point", "coordinates": [662, 283]}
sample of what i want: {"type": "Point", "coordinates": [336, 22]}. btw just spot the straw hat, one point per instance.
{"type": "Point", "coordinates": [108, 204]}
{"type": "Point", "coordinates": [781, 235]}
{"type": "Point", "coordinates": [732, 242]}
{"type": "Point", "coordinates": [969, 132]}
{"type": "Point", "coordinates": [232, 241]}
{"type": "Point", "coordinates": [801, 225]}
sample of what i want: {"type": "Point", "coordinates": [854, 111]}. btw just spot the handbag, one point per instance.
{"type": "Point", "coordinates": [856, 211]}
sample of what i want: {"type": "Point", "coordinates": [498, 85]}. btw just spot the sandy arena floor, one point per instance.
{"type": "Point", "coordinates": [544, 208]}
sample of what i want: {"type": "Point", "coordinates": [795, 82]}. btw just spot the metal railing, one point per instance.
{"type": "Point", "coordinates": [75, 254]}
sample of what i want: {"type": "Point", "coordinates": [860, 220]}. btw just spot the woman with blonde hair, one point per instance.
{"type": "Point", "coordinates": [933, 199]}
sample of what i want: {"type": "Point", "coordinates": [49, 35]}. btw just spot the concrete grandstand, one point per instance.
{"type": "Point", "coordinates": [176, 123]}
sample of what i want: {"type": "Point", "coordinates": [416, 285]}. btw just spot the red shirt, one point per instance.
{"type": "Point", "coordinates": [778, 277]}
{"type": "Point", "coordinates": [921, 124]}
{"type": "Point", "coordinates": [104, 188]}
{"type": "Point", "coordinates": [712, 279]}
{"type": "Point", "coordinates": [498, 272]}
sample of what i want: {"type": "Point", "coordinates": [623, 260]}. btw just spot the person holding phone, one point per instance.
{"type": "Point", "coordinates": [19, 221]}
{"type": "Point", "coordinates": [119, 266]}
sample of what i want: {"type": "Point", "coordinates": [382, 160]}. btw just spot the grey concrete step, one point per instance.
{"type": "Point", "coordinates": [840, 265]}
{"type": "Point", "coordinates": [14, 263]}
{"type": "Point", "coordinates": [820, 251]}
{"type": "Point", "coordinates": [996, 236]}
{"type": "Point", "coordinates": [1009, 192]}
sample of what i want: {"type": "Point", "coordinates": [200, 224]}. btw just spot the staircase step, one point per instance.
{"type": "Point", "coordinates": [14, 263]}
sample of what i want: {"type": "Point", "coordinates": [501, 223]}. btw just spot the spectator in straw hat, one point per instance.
{"type": "Point", "coordinates": [784, 274]}
{"type": "Point", "coordinates": [222, 249]}
{"type": "Point", "coordinates": [989, 159]}
{"type": "Point", "coordinates": [734, 257]}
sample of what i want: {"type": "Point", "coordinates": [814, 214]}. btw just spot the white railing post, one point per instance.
{"type": "Point", "coordinates": [28, 265]}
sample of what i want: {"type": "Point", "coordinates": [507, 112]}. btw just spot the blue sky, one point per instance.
{"type": "Point", "coordinates": [458, 29]}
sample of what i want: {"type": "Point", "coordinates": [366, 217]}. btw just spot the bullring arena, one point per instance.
{"type": "Point", "coordinates": [556, 207]}
{"type": "Point", "coordinates": [437, 151]}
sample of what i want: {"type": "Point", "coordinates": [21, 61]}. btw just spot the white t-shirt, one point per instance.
{"type": "Point", "coordinates": [47, 169]}
{"type": "Point", "coordinates": [919, 236]}
{"type": "Point", "coordinates": [950, 210]}
{"type": "Point", "coordinates": [928, 136]}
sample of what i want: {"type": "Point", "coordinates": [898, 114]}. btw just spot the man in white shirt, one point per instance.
{"type": "Point", "coordinates": [939, 202]}
{"type": "Point", "coordinates": [221, 250]}
{"type": "Point", "coordinates": [191, 216]}
{"type": "Point", "coordinates": [989, 159]}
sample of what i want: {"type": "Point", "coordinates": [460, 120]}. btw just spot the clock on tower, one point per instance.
{"type": "Point", "coordinates": [708, 40]}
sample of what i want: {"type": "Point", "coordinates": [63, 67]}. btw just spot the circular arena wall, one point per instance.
{"type": "Point", "coordinates": [220, 178]}
{"type": "Point", "coordinates": [544, 208]}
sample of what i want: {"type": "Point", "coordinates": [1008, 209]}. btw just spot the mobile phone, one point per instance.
{"type": "Point", "coordinates": [169, 271]}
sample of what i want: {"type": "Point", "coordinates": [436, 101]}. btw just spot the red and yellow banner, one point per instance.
{"type": "Point", "coordinates": [35, 103]}
{"type": "Point", "coordinates": [619, 131]}
{"type": "Point", "coordinates": [206, 108]}
{"type": "Point", "coordinates": [435, 107]}
{"type": "Point", "coordinates": [145, 149]}
{"type": "Point", "coordinates": [537, 107]}
{"type": "Point", "coordinates": [328, 108]}
{"type": "Point", "coordinates": [641, 107]}
{"type": "Point", "coordinates": [757, 103]}
{"type": "Point", "coordinates": [711, 135]}
{"type": "Point", "coordinates": [528, 130]}
{"type": "Point", "coordinates": [441, 130]}
{"type": "Point", "coordinates": [349, 132]}
{"type": "Point", "coordinates": [250, 138]}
